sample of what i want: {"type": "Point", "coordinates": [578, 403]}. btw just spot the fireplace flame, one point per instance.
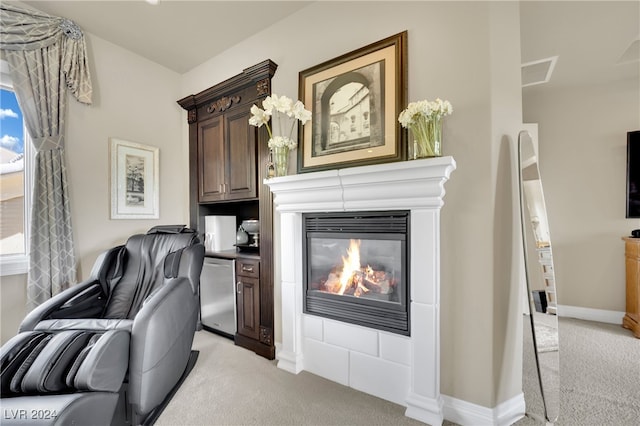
{"type": "Point", "coordinates": [351, 264]}
{"type": "Point", "coordinates": [355, 280]}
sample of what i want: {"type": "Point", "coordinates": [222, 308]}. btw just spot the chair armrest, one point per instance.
{"type": "Point", "coordinates": [88, 291]}
{"type": "Point", "coordinates": [90, 294]}
{"type": "Point", "coordinates": [161, 341]}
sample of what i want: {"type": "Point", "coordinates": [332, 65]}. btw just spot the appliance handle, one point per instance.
{"type": "Point", "coordinates": [235, 286]}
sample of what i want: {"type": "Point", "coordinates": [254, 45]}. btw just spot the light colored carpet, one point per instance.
{"type": "Point", "coordinates": [599, 385]}
{"type": "Point", "coordinates": [233, 386]}
{"type": "Point", "coordinates": [599, 375]}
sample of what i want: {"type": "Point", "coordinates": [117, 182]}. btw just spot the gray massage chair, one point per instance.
{"type": "Point", "coordinates": [112, 349]}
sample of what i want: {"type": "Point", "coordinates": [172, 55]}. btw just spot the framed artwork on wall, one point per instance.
{"type": "Point", "coordinates": [354, 101]}
{"type": "Point", "coordinates": [134, 180]}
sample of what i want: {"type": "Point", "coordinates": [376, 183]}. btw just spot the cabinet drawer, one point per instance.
{"type": "Point", "coordinates": [248, 268]}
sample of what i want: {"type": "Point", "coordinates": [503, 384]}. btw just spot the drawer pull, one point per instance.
{"type": "Point", "coordinates": [247, 268]}
{"type": "Point", "coordinates": [238, 289]}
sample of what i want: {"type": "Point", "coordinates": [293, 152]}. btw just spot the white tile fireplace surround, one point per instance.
{"type": "Point", "coordinates": [401, 369]}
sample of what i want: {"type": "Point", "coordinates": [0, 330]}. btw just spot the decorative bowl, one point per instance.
{"type": "Point", "coordinates": [251, 226]}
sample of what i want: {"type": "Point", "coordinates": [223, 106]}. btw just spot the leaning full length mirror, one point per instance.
{"type": "Point", "coordinates": [541, 287]}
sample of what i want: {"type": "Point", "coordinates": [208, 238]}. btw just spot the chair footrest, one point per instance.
{"type": "Point", "coordinates": [42, 362]}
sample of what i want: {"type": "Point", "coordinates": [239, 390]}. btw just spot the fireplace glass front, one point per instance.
{"type": "Point", "coordinates": [356, 267]}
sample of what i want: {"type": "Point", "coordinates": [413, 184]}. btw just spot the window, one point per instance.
{"type": "Point", "coordinates": [15, 180]}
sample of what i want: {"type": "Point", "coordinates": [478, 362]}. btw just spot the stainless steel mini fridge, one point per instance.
{"type": "Point", "coordinates": [217, 296]}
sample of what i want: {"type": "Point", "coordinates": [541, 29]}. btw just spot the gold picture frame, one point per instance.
{"type": "Point", "coordinates": [355, 101]}
{"type": "Point", "coordinates": [134, 180]}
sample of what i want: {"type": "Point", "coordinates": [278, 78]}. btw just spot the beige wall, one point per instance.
{"type": "Point", "coordinates": [582, 146]}
{"type": "Point", "coordinates": [583, 164]}
{"type": "Point", "coordinates": [134, 100]}
{"type": "Point", "coordinates": [453, 54]}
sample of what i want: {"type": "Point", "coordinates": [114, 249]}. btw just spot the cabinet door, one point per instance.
{"type": "Point", "coordinates": [211, 164]}
{"type": "Point", "coordinates": [241, 156]}
{"type": "Point", "coordinates": [248, 305]}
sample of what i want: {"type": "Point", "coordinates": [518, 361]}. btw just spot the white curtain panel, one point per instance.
{"type": "Point", "coordinates": [47, 56]}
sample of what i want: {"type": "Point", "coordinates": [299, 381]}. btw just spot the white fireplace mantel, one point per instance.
{"type": "Point", "coordinates": [409, 184]}
{"type": "Point", "coordinates": [401, 369]}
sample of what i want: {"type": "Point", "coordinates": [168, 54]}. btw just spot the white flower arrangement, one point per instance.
{"type": "Point", "coordinates": [282, 141]}
{"type": "Point", "coordinates": [424, 119]}
{"type": "Point", "coordinates": [423, 111]}
{"type": "Point", "coordinates": [282, 109]}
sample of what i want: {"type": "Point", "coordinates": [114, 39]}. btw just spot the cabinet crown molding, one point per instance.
{"type": "Point", "coordinates": [223, 104]}
{"type": "Point", "coordinates": [249, 76]}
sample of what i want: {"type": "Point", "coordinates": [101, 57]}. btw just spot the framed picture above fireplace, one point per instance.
{"type": "Point", "coordinates": [354, 101]}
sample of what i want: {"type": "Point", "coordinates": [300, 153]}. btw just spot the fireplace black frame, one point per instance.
{"type": "Point", "coordinates": [380, 225]}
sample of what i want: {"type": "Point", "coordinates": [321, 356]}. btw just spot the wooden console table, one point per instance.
{"type": "Point", "coordinates": [631, 318]}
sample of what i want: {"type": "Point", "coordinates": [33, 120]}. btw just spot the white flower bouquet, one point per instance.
{"type": "Point", "coordinates": [283, 111]}
{"type": "Point", "coordinates": [424, 119]}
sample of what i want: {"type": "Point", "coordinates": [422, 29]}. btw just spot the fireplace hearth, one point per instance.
{"type": "Point", "coordinates": [356, 267]}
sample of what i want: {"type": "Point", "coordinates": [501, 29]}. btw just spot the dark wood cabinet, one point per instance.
{"type": "Point", "coordinates": [241, 166]}
{"type": "Point", "coordinates": [248, 297]}
{"type": "Point", "coordinates": [227, 167]}
{"type": "Point", "coordinates": [227, 158]}
{"type": "Point", "coordinates": [210, 151]}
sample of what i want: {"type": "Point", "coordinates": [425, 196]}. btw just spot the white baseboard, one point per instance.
{"type": "Point", "coordinates": [466, 413]}
{"type": "Point", "coordinates": [589, 314]}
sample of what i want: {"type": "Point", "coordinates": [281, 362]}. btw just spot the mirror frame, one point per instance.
{"type": "Point", "coordinates": [550, 402]}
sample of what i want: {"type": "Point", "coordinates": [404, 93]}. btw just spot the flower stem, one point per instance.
{"type": "Point", "coordinates": [426, 134]}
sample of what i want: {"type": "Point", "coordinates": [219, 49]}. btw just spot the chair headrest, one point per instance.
{"type": "Point", "coordinates": [147, 261]}
{"type": "Point", "coordinates": [170, 229]}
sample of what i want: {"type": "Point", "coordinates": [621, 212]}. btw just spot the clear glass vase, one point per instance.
{"type": "Point", "coordinates": [281, 159]}
{"type": "Point", "coordinates": [427, 139]}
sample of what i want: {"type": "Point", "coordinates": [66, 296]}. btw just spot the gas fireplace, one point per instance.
{"type": "Point", "coordinates": [405, 270]}
{"type": "Point", "coordinates": [356, 267]}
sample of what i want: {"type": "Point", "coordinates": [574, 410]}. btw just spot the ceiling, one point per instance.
{"type": "Point", "coordinates": [588, 37]}
{"type": "Point", "coordinates": [179, 35]}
